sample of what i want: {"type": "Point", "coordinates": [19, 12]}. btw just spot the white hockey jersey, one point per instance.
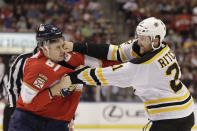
{"type": "Point", "coordinates": [155, 78]}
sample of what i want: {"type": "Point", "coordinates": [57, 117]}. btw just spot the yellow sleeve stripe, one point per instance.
{"type": "Point", "coordinates": [157, 55]}
{"type": "Point", "coordinates": [169, 99]}
{"type": "Point", "coordinates": [114, 52]}
{"type": "Point", "coordinates": [27, 85]}
{"type": "Point", "coordinates": [122, 55]}
{"type": "Point", "coordinates": [101, 77]}
{"type": "Point", "coordinates": [134, 54]}
{"type": "Point", "coordinates": [177, 108]}
{"type": "Point", "coordinates": [87, 78]}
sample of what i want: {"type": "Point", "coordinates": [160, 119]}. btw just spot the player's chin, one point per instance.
{"type": "Point", "coordinates": [61, 59]}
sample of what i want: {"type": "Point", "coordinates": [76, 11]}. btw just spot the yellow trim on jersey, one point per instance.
{"type": "Point", "coordinates": [100, 126]}
{"type": "Point", "coordinates": [110, 126]}
{"type": "Point", "coordinates": [87, 78]}
{"type": "Point", "coordinates": [157, 55]}
{"type": "Point", "coordinates": [114, 52]}
{"type": "Point", "coordinates": [30, 87]}
{"type": "Point", "coordinates": [134, 54]}
{"type": "Point", "coordinates": [122, 55]}
{"type": "Point", "coordinates": [177, 108]}
{"type": "Point", "coordinates": [101, 77]}
{"type": "Point", "coordinates": [100, 63]}
{"type": "Point", "coordinates": [169, 99]}
{"type": "Point", "coordinates": [146, 109]}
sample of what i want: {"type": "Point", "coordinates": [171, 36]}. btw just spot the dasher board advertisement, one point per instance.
{"type": "Point", "coordinates": [17, 43]}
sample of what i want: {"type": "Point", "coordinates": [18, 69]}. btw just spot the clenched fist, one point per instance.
{"type": "Point", "coordinates": [68, 46]}
{"type": "Point", "coordinates": [64, 82]}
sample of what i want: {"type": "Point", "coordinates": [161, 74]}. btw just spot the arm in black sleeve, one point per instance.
{"type": "Point", "coordinates": [99, 51]}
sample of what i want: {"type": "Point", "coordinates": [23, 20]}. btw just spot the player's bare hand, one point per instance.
{"type": "Point", "coordinates": [65, 82]}
{"type": "Point", "coordinates": [68, 46]}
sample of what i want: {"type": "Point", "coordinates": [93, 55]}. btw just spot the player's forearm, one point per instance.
{"type": "Point", "coordinates": [103, 76]}
{"type": "Point", "coordinates": [54, 91]}
{"type": "Point", "coordinates": [99, 51]}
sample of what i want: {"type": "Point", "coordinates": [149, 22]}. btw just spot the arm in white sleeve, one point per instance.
{"type": "Point", "coordinates": [119, 75]}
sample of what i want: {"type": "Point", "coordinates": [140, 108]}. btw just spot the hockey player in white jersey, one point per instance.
{"type": "Point", "coordinates": [151, 69]}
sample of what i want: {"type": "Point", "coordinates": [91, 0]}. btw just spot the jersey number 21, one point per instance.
{"type": "Point", "coordinates": [175, 84]}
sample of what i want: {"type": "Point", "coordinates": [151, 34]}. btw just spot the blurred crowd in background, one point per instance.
{"type": "Point", "coordinates": [84, 21]}
{"type": "Point", "coordinates": [79, 20]}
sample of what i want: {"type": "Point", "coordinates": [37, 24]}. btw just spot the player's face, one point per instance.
{"type": "Point", "coordinates": [145, 44]}
{"type": "Point", "coordinates": [56, 52]}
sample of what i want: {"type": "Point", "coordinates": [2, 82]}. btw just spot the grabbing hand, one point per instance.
{"type": "Point", "coordinates": [67, 91]}
{"type": "Point", "coordinates": [64, 82]}
{"type": "Point", "coordinates": [67, 46]}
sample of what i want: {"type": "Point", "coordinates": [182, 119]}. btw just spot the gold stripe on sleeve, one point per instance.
{"type": "Point", "coordinates": [122, 55]}
{"type": "Point", "coordinates": [101, 77]}
{"type": "Point", "coordinates": [114, 53]}
{"type": "Point", "coordinates": [87, 78]}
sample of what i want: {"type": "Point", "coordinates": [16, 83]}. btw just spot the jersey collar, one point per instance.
{"type": "Point", "coordinates": [150, 57]}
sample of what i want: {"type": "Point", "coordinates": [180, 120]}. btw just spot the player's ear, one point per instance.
{"type": "Point", "coordinates": [44, 49]}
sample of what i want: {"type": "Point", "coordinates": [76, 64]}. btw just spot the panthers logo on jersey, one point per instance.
{"type": "Point", "coordinates": [40, 81]}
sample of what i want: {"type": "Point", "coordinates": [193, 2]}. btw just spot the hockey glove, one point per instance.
{"type": "Point", "coordinates": [67, 91]}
